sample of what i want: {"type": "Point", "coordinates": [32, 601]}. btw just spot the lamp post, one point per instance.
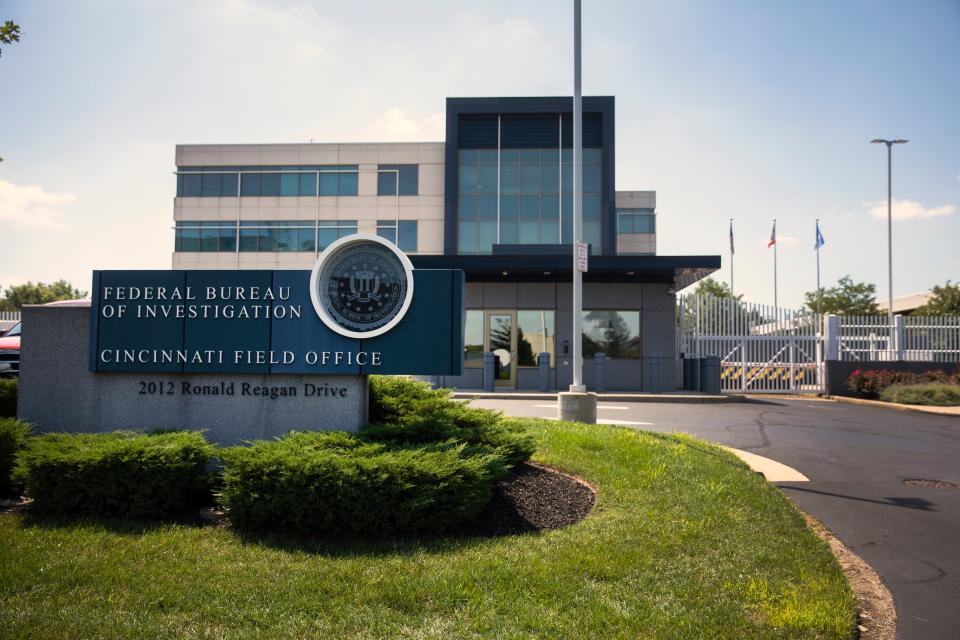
{"type": "Point", "coordinates": [889, 144]}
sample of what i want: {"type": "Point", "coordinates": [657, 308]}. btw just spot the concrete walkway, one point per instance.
{"type": "Point", "coordinates": [938, 411]}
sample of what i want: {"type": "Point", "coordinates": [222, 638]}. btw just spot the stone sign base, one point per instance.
{"type": "Point", "coordinates": [59, 393]}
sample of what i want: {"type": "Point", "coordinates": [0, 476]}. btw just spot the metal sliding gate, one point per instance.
{"type": "Point", "coordinates": [761, 349]}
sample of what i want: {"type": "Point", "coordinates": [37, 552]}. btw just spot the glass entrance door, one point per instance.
{"type": "Point", "coordinates": [502, 342]}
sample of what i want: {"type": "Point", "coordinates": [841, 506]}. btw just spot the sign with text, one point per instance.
{"type": "Point", "coordinates": [268, 321]}
{"type": "Point", "coordinates": [582, 256]}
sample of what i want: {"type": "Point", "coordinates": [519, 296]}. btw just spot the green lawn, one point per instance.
{"type": "Point", "coordinates": [685, 542]}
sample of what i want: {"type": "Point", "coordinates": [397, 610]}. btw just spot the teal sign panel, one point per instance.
{"type": "Point", "coordinates": [266, 322]}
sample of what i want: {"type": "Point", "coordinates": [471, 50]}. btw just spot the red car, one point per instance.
{"type": "Point", "coordinates": [10, 351]}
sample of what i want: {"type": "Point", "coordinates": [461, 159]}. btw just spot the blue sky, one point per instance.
{"type": "Point", "coordinates": [751, 110]}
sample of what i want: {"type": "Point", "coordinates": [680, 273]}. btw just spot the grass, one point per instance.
{"type": "Point", "coordinates": [934, 394]}
{"type": "Point", "coordinates": [684, 543]}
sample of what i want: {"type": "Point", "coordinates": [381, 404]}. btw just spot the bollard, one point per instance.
{"type": "Point", "coordinates": [543, 364]}
{"type": "Point", "coordinates": [710, 375]}
{"type": "Point", "coordinates": [489, 364]}
{"type": "Point", "coordinates": [599, 372]}
{"type": "Point", "coordinates": [655, 374]}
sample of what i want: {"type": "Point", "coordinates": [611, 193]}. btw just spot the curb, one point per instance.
{"type": "Point", "coordinates": [606, 397]}
{"type": "Point", "coordinates": [934, 411]}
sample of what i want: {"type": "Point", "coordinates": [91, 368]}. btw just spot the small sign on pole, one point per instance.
{"type": "Point", "coordinates": [582, 256]}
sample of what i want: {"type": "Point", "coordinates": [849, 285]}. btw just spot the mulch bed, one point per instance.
{"type": "Point", "coordinates": [534, 498]}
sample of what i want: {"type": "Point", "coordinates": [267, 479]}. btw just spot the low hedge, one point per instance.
{"type": "Point", "coordinates": [934, 394]}
{"type": "Point", "coordinates": [121, 474]}
{"type": "Point", "coordinates": [12, 436]}
{"type": "Point", "coordinates": [9, 388]}
{"type": "Point", "coordinates": [870, 383]}
{"type": "Point", "coordinates": [337, 483]}
{"type": "Point", "coordinates": [405, 411]}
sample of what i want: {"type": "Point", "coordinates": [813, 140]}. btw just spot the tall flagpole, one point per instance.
{"type": "Point", "coordinates": [776, 305]}
{"type": "Point", "coordinates": [577, 385]}
{"type": "Point", "coordinates": [817, 242]}
{"type": "Point", "coordinates": [731, 258]}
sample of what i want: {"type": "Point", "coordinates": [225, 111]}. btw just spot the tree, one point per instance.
{"type": "Point", "coordinates": [715, 288]}
{"type": "Point", "coordinates": [40, 293]}
{"type": "Point", "coordinates": [945, 302]}
{"type": "Point", "coordinates": [848, 298]}
{"type": "Point", "coordinates": [9, 33]}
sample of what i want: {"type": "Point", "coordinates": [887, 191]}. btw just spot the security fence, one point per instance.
{"type": "Point", "coordinates": [8, 319]}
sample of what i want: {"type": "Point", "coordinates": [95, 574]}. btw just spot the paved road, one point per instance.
{"type": "Point", "coordinates": [857, 459]}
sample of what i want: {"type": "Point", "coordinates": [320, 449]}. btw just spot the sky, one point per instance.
{"type": "Point", "coordinates": [748, 110]}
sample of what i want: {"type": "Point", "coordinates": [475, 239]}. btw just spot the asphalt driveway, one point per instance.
{"type": "Point", "coordinates": [857, 459]}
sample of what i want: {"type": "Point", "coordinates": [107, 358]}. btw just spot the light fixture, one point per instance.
{"type": "Point", "coordinates": [631, 273]}
{"type": "Point", "coordinates": [503, 273]}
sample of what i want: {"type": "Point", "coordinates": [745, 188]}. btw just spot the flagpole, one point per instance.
{"type": "Point", "coordinates": [731, 257]}
{"type": "Point", "coordinates": [818, 266]}
{"type": "Point", "coordinates": [776, 305]}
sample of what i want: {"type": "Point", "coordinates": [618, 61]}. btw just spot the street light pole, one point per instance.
{"type": "Point", "coordinates": [577, 383]}
{"type": "Point", "coordinates": [889, 144]}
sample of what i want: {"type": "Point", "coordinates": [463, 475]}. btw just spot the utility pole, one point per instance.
{"type": "Point", "coordinates": [889, 144]}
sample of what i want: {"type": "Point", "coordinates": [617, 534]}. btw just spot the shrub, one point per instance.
{"type": "Point", "coordinates": [404, 411]}
{"type": "Point", "coordinates": [934, 394]}
{"type": "Point", "coordinates": [12, 435]}
{"type": "Point", "coordinates": [870, 383]}
{"type": "Point", "coordinates": [8, 397]}
{"type": "Point", "coordinates": [124, 474]}
{"type": "Point", "coordinates": [336, 483]}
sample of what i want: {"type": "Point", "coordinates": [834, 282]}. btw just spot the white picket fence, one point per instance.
{"type": "Point", "coordinates": [763, 349]}
{"type": "Point", "coordinates": [8, 319]}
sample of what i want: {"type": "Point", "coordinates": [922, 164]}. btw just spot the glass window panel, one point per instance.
{"type": "Point", "coordinates": [289, 184]}
{"type": "Point", "coordinates": [567, 179]}
{"type": "Point", "coordinates": [286, 239]}
{"type": "Point", "coordinates": [488, 236]}
{"type": "Point", "coordinates": [189, 239]}
{"type": "Point", "coordinates": [327, 236]}
{"type": "Point", "coordinates": [550, 156]}
{"type": "Point", "coordinates": [267, 240]}
{"type": "Point", "coordinates": [387, 178]}
{"type": "Point", "coordinates": [550, 207]}
{"type": "Point", "coordinates": [591, 235]}
{"type": "Point", "coordinates": [535, 335]}
{"type": "Point", "coordinates": [467, 237]}
{"type": "Point", "coordinates": [228, 184]}
{"type": "Point", "coordinates": [228, 239]}
{"type": "Point", "coordinates": [248, 239]}
{"type": "Point", "coordinates": [528, 156]}
{"type": "Point", "coordinates": [348, 183]}
{"type": "Point", "coordinates": [549, 178]}
{"type": "Point", "coordinates": [509, 207]}
{"type": "Point", "coordinates": [529, 207]}
{"type": "Point", "coordinates": [591, 178]}
{"type": "Point", "coordinates": [209, 239]}
{"type": "Point", "coordinates": [407, 240]}
{"type": "Point", "coordinates": [488, 179]}
{"type": "Point", "coordinates": [615, 333]}
{"type": "Point", "coordinates": [473, 338]}
{"type": "Point", "coordinates": [211, 185]}
{"type": "Point", "coordinates": [488, 207]}
{"type": "Point", "coordinates": [468, 156]}
{"type": "Point", "coordinates": [509, 232]}
{"type": "Point", "coordinates": [192, 185]}
{"type": "Point", "coordinates": [250, 184]}
{"type": "Point", "coordinates": [529, 232]}
{"type": "Point", "coordinates": [328, 184]}
{"type": "Point", "coordinates": [591, 156]}
{"type": "Point", "coordinates": [508, 156]}
{"type": "Point", "coordinates": [487, 156]}
{"type": "Point", "coordinates": [549, 232]}
{"type": "Point", "coordinates": [566, 156]}
{"type": "Point", "coordinates": [509, 179]}
{"type": "Point", "coordinates": [468, 207]}
{"type": "Point", "coordinates": [566, 232]}
{"type": "Point", "coordinates": [179, 185]}
{"type": "Point", "coordinates": [346, 228]}
{"type": "Point", "coordinates": [469, 176]}
{"type": "Point", "coordinates": [269, 184]}
{"type": "Point", "coordinates": [409, 178]}
{"type": "Point", "coordinates": [529, 178]}
{"type": "Point", "coordinates": [306, 239]}
{"type": "Point", "coordinates": [591, 207]}
{"type": "Point", "coordinates": [308, 184]}
{"type": "Point", "coordinates": [390, 233]}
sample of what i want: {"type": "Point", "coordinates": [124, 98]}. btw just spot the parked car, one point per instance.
{"type": "Point", "coordinates": [10, 351]}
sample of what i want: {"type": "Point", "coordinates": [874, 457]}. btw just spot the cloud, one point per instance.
{"type": "Point", "coordinates": [31, 206]}
{"type": "Point", "coordinates": [396, 125]}
{"type": "Point", "coordinates": [908, 210]}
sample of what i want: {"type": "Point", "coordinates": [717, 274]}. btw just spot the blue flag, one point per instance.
{"type": "Point", "coordinates": [819, 242]}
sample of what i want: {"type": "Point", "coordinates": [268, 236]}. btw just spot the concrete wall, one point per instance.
{"type": "Point", "coordinates": [59, 393]}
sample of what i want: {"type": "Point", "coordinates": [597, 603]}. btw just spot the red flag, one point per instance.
{"type": "Point", "coordinates": [773, 235]}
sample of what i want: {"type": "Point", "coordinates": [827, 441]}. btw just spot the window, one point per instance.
{"type": "Point", "coordinates": [636, 221]}
{"type": "Point", "coordinates": [535, 335]}
{"type": "Point", "coordinates": [405, 229]}
{"type": "Point", "coordinates": [388, 175]}
{"type": "Point", "coordinates": [207, 182]}
{"type": "Point", "coordinates": [260, 236]}
{"type": "Point", "coordinates": [615, 333]}
{"type": "Point", "coordinates": [473, 339]}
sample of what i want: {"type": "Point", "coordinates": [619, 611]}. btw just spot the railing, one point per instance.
{"type": "Point", "coordinates": [911, 338]}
